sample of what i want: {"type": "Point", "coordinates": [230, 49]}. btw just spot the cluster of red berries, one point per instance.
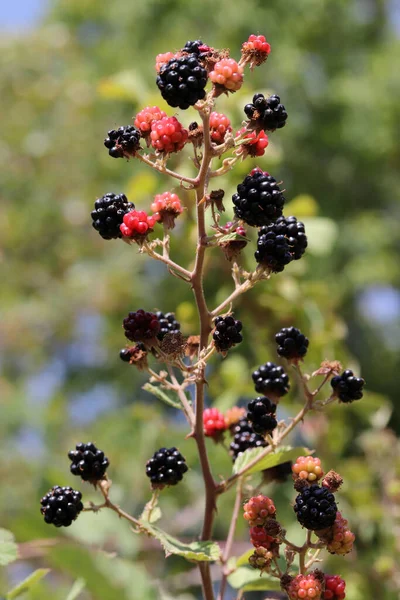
{"type": "Point", "coordinates": [167, 135]}
{"type": "Point", "coordinates": [306, 587]}
{"type": "Point", "coordinates": [137, 224]}
{"type": "Point", "coordinates": [339, 538]}
{"type": "Point", "coordinates": [145, 118]}
{"type": "Point", "coordinates": [166, 208]}
{"type": "Point", "coordinates": [254, 144]}
{"type": "Point", "coordinates": [227, 74]}
{"type": "Point", "coordinates": [258, 509]}
{"type": "Point", "coordinates": [220, 125]}
{"type": "Point", "coordinates": [307, 468]}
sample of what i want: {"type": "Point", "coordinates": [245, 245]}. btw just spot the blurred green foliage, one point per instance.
{"type": "Point", "coordinates": [88, 68]}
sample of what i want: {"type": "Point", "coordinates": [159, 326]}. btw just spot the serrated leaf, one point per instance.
{"type": "Point", "coordinates": [282, 455]}
{"type": "Point", "coordinates": [8, 548]}
{"type": "Point", "coordinates": [76, 589]}
{"type": "Point", "coordinates": [197, 551]}
{"type": "Point", "coordinates": [169, 398]}
{"type": "Point", "coordinates": [249, 579]}
{"type": "Point", "coordinates": [27, 583]}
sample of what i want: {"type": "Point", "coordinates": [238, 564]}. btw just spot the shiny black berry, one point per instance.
{"type": "Point", "coordinates": [108, 214]}
{"type": "Point", "coordinates": [226, 333]}
{"type": "Point", "coordinates": [168, 324]}
{"type": "Point", "coordinates": [315, 508]}
{"type": "Point", "coordinates": [266, 114]}
{"type": "Point", "coordinates": [124, 141]}
{"type": "Point", "coordinates": [258, 200]}
{"type": "Point", "coordinates": [88, 462]}
{"type": "Point", "coordinates": [195, 47]}
{"type": "Point", "coordinates": [141, 326]}
{"type": "Point", "coordinates": [281, 242]}
{"type": "Point", "coordinates": [61, 505]}
{"type": "Point", "coordinates": [261, 415]}
{"type": "Point", "coordinates": [166, 467]}
{"type": "Point", "coordinates": [348, 387]}
{"type": "Point", "coordinates": [271, 379]}
{"type": "Point", "coordinates": [181, 81]}
{"type": "Point", "coordinates": [292, 344]}
{"type": "Point", "coordinates": [243, 441]}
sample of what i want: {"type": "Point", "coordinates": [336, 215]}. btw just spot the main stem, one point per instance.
{"type": "Point", "coordinates": [205, 329]}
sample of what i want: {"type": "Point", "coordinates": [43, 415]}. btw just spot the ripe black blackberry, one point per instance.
{"type": "Point", "coordinates": [195, 47]}
{"type": "Point", "coordinates": [108, 214]}
{"type": "Point", "coordinates": [88, 462]}
{"type": "Point", "coordinates": [126, 353]}
{"type": "Point", "coordinates": [226, 333]}
{"type": "Point", "coordinates": [245, 440]}
{"type": "Point", "coordinates": [292, 344]}
{"type": "Point", "coordinates": [242, 426]}
{"type": "Point", "coordinates": [259, 200]}
{"type": "Point", "coordinates": [266, 114]}
{"type": "Point", "coordinates": [61, 506]}
{"type": "Point", "coordinates": [315, 507]}
{"type": "Point", "coordinates": [141, 326]}
{"type": "Point", "coordinates": [168, 324]}
{"type": "Point", "coordinates": [124, 141]}
{"type": "Point", "coordinates": [271, 379]}
{"type": "Point", "coordinates": [347, 387]}
{"type": "Point", "coordinates": [281, 242]}
{"type": "Point", "coordinates": [261, 414]}
{"type": "Point", "coordinates": [166, 467]}
{"type": "Point", "coordinates": [182, 80]}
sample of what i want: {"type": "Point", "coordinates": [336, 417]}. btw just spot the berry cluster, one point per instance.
{"type": "Point", "coordinates": [167, 207]}
{"type": "Point", "coordinates": [338, 538]}
{"type": "Point", "coordinates": [123, 142]}
{"type": "Point", "coordinates": [261, 414]}
{"type": "Point", "coordinates": [166, 467]}
{"type": "Point", "coordinates": [307, 468]}
{"type": "Point", "coordinates": [306, 587]}
{"type": "Point", "coordinates": [258, 200]}
{"type": "Point", "coordinates": [141, 326]}
{"type": "Point", "coordinates": [88, 462]}
{"type": "Point", "coordinates": [254, 144]}
{"type": "Point", "coordinates": [335, 588]}
{"type": "Point", "coordinates": [137, 224]}
{"type": "Point", "coordinates": [256, 50]}
{"type": "Point", "coordinates": [281, 242]}
{"type": "Point", "coordinates": [182, 80]}
{"type": "Point", "coordinates": [258, 509]}
{"type": "Point", "coordinates": [214, 423]}
{"type": "Point", "coordinates": [167, 135]}
{"type": "Point", "coordinates": [227, 75]}
{"type": "Point", "coordinates": [168, 324]}
{"type": "Point", "coordinates": [61, 505]}
{"type": "Point", "coordinates": [108, 214]}
{"type": "Point", "coordinates": [266, 113]}
{"type": "Point", "coordinates": [145, 118]}
{"type": "Point", "coordinates": [226, 333]}
{"type": "Point", "coordinates": [347, 387]}
{"type": "Point", "coordinates": [260, 538]}
{"type": "Point", "coordinates": [272, 380]}
{"type": "Point", "coordinates": [245, 438]}
{"type": "Point", "coordinates": [292, 344]}
{"type": "Point", "coordinates": [315, 508]}
{"type": "Point", "coordinates": [220, 125]}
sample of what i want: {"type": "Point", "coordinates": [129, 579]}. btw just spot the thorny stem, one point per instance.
{"type": "Point", "coordinates": [230, 538]}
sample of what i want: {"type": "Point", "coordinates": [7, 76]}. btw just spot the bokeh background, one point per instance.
{"type": "Point", "coordinates": [71, 70]}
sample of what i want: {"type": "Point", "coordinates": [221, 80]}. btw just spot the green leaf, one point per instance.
{"type": "Point", "coordinates": [197, 551]}
{"type": "Point", "coordinates": [244, 559]}
{"type": "Point", "coordinates": [8, 548]}
{"type": "Point", "coordinates": [249, 579]}
{"type": "Point", "coordinates": [151, 515]}
{"type": "Point", "coordinates": [76, 589]}
{"type": "Point", "coordinates": [169, 398]}
{"type": "Point", "coordinates": [282, 455]}
{"type": "Point", "coordinates": [27, 583]}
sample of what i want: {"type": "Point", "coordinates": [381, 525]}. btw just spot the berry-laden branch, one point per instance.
{"type": "Point", "coordinates": [156, 336]}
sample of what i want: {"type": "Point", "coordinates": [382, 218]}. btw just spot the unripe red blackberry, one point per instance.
{"type": "Point", "coordinates": [260, 538]}
{"type": "Point", "coordinates": [141, 326]}
{"type": "Point", "coordinates": [182, 81]}
{"type": "Point", "coordinates": [347, 387]}
{"type": "Point", "coordinates": [271, 379]}
{"type": "Point", "coordinates": [307, 468]}
{"type": "Point", "coordinates": [315, 508]}
{"type": "Point", "coordinates": [233, 416]}
{"type": "Point", "coordinates": [243, 441]}
{"type": "Point", "coordinates": [254, 144]}
{"type": "Point", "coordinates": [214, 422]}
{"type": "Point", "coordinates": [227, 75]}
{"type": "Point", "coordinates": [281, 242]}
{"type": "Point", "coordinates": [167, 135]}
{"type": "Point", "coordinates": [88, 462]}
{"type": "Point", "coordinates": [123, 142]}
{"type": "Point", "coordinates": [258, 509]}
{"type": "Point", "coordinates": [163, 58]}
{"type": "Point", "coordinates": [305, 587]}
{"type": "Point", "coordinates": [168, 324]}
{"type": "Point", "coordinates": [61, 506]}
{"type": "Point", "coordinates": [219, 126]}
{"type": "Point", "coordinates": [261, 558]}
{"type": "Point", "coordinates": [292, 344]}
{"type": "Point", "coordinates": [137, 224]}
{"type": "Point", "coordinates": [261, 415]}
{"type": "Point", "coordinates": [338, 538]}
{"type": "Point", "coordinates": [266, 113]}
{"type": "Point", "coordinates": [226, 333]}
{"type": "Point", "coordinates": [335, 588]}
{"type": "Point", "coordinates": [166, 467]}
{"type": "Point", "coordinates": [145, 118]}
{"type": "Point", "coordinates": [167, 207]}
{"type": "Point", "coordinates": [256, 50]}
{"type": "Point", "coordinates": [258, 200]}
{"type": "Point", "coordinates": [108, 214]}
